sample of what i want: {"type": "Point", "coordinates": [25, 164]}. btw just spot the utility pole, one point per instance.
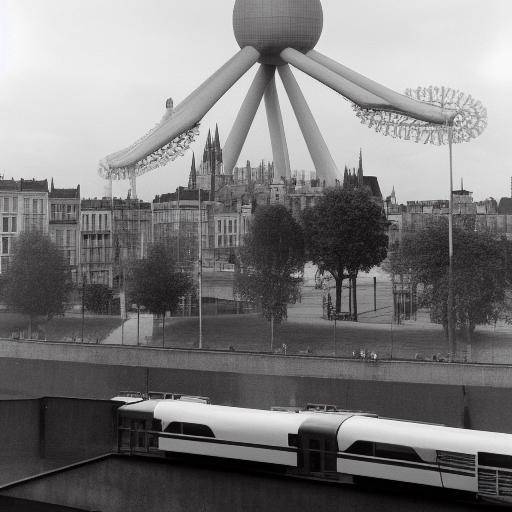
{"type": "Point", "coordinates": [200, 272]}
{"type": "Point", "coordinates": [451, 326]}
{"type": "Point", "coordinates": [83, 305]}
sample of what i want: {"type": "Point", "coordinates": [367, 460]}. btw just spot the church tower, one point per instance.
{"type": "Point", "coordinates": [360, 176]}
{"type": "Point", "coordinates": [192, 180]}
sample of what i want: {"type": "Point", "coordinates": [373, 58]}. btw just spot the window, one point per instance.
{"type": "Point", "coordinates": [396, 451]}
{"type": "Point", "coordinates": [93, 222]}
{"type": "Point", "coordinates": [5, 245]}
{"type": "Point", "coordinates": [34, 206]}
{"type": "Point", "coordinates": [293, 440]}
{"type": "Point", "coordinates": [219, 241]}
{"type": "Point", "coordinates": [68, 237]}
{"type": "Point", "coordinates": [189, 429]}
{"type": "Point", "coordinates": [230, 229]}
{"type": "Point", "coordinates": [361, 448]}
{"type": "Point", "coordinates": [224, 225]}
{"type": "Point", "coordinates": [495, 460]}
{"type": "Point", "coordinates": [14, 204]}
{"type": "Point", "coordinates": [5, 224]}
{"type": "Point", "coordinates": [236, 230]}
{"type": "Point", "coordinates": [384, 451]}
{"type": "Point", "coordinates": [26, 205]}
{"type": "Point", "coordinates": [6, 204]}
{"type": "Point", "coordinates": [219, 226]}
{"type": "Point", "coordinates": [14, 224]}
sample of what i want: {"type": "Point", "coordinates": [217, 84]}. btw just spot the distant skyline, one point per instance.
{"type": "Point", "coordinates": [81, 79]}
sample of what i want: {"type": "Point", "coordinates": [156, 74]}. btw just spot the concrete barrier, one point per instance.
{"type": "Point", "coordinates": [420, 372]}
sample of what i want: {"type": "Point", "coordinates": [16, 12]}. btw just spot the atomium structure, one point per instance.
{"type": "Point", "coordinates": [279, 34]}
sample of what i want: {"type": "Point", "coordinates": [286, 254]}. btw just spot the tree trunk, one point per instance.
{"type": "Point", "coordinates": [354, 298]}
{"type": "Point", "coordinates": [163, 330]}
{"type": "Point", "coordinates": [272, 333]}
{"type": "Point", "coordinates": [339, 285]}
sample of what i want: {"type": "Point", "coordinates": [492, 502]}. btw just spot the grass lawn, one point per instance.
{"type": "Point", "coordinates": [252, 333]}
{"type": "Point", "coordinates": [60, 328]}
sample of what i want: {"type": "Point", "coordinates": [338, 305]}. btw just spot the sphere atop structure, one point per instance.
{"type": "Point", "coordinates": [270, 26]}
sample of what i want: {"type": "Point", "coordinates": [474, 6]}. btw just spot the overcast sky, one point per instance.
{"type": "Point", "coordinates": [83, 78]}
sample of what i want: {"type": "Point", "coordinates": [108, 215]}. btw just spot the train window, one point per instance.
{"type": "Point", "coordinates": [396, 451]}
{"type": "Point", "coordinates": [156, 425]}
{"type": "Point", "coordinates": [194, 429]}
{"type": "Point", "coordinates": [174, 428]}
{"type": "Point", "coordinates": [293, 440]}
{"type": "Point", "coordinates": [494, 460]}
{"type": "Point", "coordinates": [361, 448]}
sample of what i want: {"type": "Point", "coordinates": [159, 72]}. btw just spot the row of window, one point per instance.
{"type": "Point", "coordinates": [63, 212]}
{"type": "Point", "coordinates": [95, 222]}
{"type": "Point", "coordinates": [227, 241]}
{"type": "Point", "coordinates": [189, 429]}
{"type": "Point", "coordinates": [70, 235]}
{"type": "Point", "coordinates": [230, 226]}
{"type": "Point", "coordinates": [9, 204]}
{"type": "Point", "coordinates": [96, 241]}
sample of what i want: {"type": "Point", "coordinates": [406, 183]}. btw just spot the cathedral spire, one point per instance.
{"type": "Point", "coordinates": [345, 177]}
{"type": "Point", "coordinates": [360, 169]}
{"type": "Point", "coordinates": [192, 180]}
{"type": "Point", "coordinates": [207, 146]}
{"type": "Point", "coordinates": [217, 138]}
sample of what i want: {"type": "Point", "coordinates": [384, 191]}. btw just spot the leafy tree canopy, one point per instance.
{"type": "Point", "coordinates": [345, 232]}
{"type": "Point", "coordinates": [98, 298]}
{"type": "Point", "coordinates": [481, 272]}
{"type": "Point", "coordinates": [157, 284]}
{"type": "Point", "coordinates": [272, 256]}
{"type": "Point", "coordinates": [37, 281]}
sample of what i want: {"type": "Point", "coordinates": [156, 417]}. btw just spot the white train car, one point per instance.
{"type": "Point", "coordinates": [326, 445]}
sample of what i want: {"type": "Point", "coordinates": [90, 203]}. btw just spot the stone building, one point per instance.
{"type": "Point", "coordinates": [176, 223]}
{"type": "Point", "coordinates": [96, 245]}
{"type": "Point", "coordinates": [64, 224]}
{"type": "Point", "coordinates": [23, 207]}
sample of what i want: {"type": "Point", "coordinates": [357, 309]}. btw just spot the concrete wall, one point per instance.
{"type": "Point", "coordinates": [19, 422]}
{"type": "Point", "coordinates": [77, 429]}
{"type": "Point", "coordinates": [423, 372]}
{"type": "Point", "coordinates": [134, 485]}
{"type": "Point", "coordinates": [471, 406]}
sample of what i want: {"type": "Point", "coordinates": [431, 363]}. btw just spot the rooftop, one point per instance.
{"type": "Point", "coordinates": [32, 185]}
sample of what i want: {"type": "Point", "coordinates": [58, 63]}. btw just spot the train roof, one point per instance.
{"type": "Point", "coordinates": [239, 424]}
{"type": "Point", "coordinates": [421, 435]}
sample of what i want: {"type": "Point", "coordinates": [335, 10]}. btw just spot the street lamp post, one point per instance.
{"type": "Point", "coordinates": [83, 305]}
{"type": "Point", "coordinates": [451, 326]}
{"type": "Point", "coordinates": [200, 272]}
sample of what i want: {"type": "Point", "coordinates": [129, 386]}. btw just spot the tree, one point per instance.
{"type": "Point", "coordinates": [345, 232]}
{"type": "Point", "coordinates": [271, 259]}
{"type": "Point", "coordinates": [157, 285]}
{"type": "Point", "coordinates": [38, 279]}
{"type": "Point", "coordinates": [98, 298]}
{"type": "Point", "coordinates": [481, 273]}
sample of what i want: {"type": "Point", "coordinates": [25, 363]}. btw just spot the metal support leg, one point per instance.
{"type": "Point", "coordinates": [277, 135]}
{"type": "Point", "coordinates": [324, 164]}
{"type": "Point", "coordinates": [245, 118]}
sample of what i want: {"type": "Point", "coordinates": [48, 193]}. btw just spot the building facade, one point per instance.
{"type": "Point", "coordinates": [23, 207]}
{"type": "Point", "coordinates": [64, 225]}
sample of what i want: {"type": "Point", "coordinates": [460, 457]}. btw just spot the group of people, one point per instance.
{"type": "Point", "coordinates": [365, 354]}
